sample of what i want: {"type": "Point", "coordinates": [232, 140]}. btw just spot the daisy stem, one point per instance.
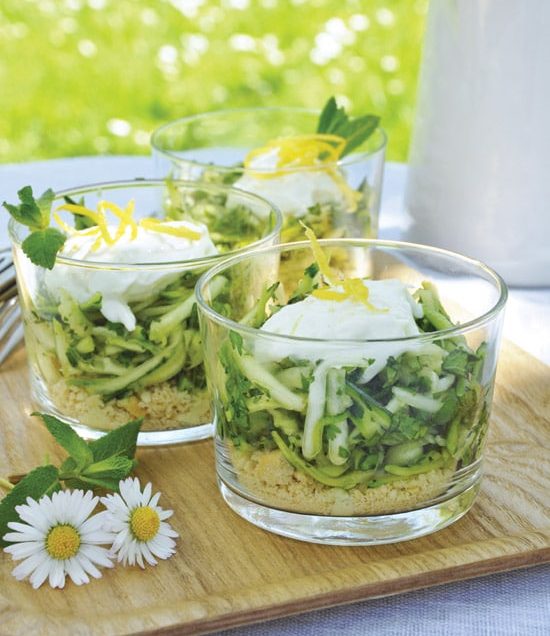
{"type": "Point", "coordinates": [6, 485]}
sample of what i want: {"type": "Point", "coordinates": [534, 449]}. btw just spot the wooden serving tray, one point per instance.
{"type": "Point", "coordinates": [227, 572]}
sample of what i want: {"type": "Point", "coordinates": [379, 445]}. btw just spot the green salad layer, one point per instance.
{"type": "Point", "coordinates": [73, 340]}
{"type": "Point", "coordinates": [426, 409]}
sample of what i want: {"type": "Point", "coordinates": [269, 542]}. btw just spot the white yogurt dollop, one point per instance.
{"type": "Point", "coordinates": [293, 193]}
{"type": "Point", "coordinates": [118, 287]}
{"type": "Point", "coordinates": [347, 320]}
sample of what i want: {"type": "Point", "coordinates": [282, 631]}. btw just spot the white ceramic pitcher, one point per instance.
{"type": "Point", "coordinates": [479, 180]}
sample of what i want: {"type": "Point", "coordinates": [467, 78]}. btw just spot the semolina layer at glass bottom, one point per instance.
{"type": "Point", "coordinates": [271, 479]}
{"type": "Point", "coordinates": [162, 406]}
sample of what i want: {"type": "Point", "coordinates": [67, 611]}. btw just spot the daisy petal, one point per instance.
{"type": "Point", "coordinates": [40, 574]}
{"type": "Point", "coordinates": [76, 572]}
{"type": "Point", "coordinates": [25, 549]}
{"type": "Point", "coordinates": [146, 495]}
{"type": "Point", "coordinates": [24, 569]}
{"type": "Point", "coordinates": [147, 555]}
{"type": "Point", "coordinates": [57, 575]}
{"type": "Point", "coordinates": [97, 555]}
{"type": "Point", "coordinates": [165, 514]}
{"type": "Point", "coordinates": [154, 500]}
{"type": "Point", "coordinates": [26, 530]}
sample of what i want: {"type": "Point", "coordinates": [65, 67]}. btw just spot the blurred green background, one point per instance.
{"type": "Point", "coordinates": [80, 77]}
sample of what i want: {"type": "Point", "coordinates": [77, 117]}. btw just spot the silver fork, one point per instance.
{"type": "Point", "coordinates": [11, 328]}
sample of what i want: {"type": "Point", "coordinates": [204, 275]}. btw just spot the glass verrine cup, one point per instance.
{"type": "Point", "coordinates": [111, 331]}
{"type": "Point", "coordinates": [239, 147]}
{"type": "Point", "coordinates": [357, 441]}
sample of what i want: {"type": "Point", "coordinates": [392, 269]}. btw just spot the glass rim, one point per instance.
{"type": "Point", "coordinates": [341, 163]}
{"type": "Point", "coordinates": [204, 261]}
{"type": "Point", "coordinates": [456, 330]}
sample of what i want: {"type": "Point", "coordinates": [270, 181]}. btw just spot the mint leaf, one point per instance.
{"type": "Point", "coordinates": [64, 435]}
{"type": "Point", "coordinates": [85, 483]}
{"type": "Point", "coordinates": [358, 131]}
{"type": "Point", "coordinates": [335, 121]}
{"type": "Point", "coordinates": [112, 467]}
{"type": "Point", "coordinates": [68, 466]}
{"type": "Point", "coordinates": [40, 481]}
{"type": "Point", "coordinates": [331, 113]}
{"type": "Point", "coordinates": [44, 203]}
{"type": "Point", "coordinates": [31, 212]}
{"type": "Point", "coordinates": [43, 243]}
{"type": "Point", "coordinates": [28, 212]}
{"type": "Point", "coordinates": [41, 246]}
{"type": "Point", "coordinates": [120, 441]}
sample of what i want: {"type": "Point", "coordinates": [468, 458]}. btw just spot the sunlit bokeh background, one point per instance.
{"type": "Point", "coordinates": [81, 77]}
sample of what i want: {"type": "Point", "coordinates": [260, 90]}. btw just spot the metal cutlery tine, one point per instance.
{"type": "Point", "coordinates": [6, 261]}
{"type": "Point", "coordinates": [8, 344]}
{"type": "Point", "coordinates": [6, 310]}
{"type": "Point", "coordinates": [11, 328]}
{"type": "Point", "coordinates": [8, 292]}
{"type": "Point", "coordinates": [8, 288]}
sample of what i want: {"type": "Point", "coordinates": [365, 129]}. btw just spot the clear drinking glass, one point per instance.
{"type": "Point", "coordinates": [353, 442]}
{"type": "Point", "coordinates": [336, 199]}
{"type": "Point", "coordinates": [108, 342]}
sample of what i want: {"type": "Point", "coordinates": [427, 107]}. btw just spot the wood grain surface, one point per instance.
{"type": "Point", "coordinates": [227, 572]}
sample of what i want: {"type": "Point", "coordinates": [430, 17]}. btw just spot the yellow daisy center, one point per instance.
{"type": "Point", "coordinates": [144, 523]}
{"type": "Point", "coordinates": [62, 542]}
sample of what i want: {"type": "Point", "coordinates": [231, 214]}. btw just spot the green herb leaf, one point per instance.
{"type": "Point", "coordinates": [335, 121]}
{"type": "Point", "coordinates": [41, 246]}
{"type": "Point", "coordinates": [456, 362]}
{"type": "Point", "coordinates": [85, 483]}
{"type": "Point", "coordinates": [329, 115]}
{"type": "Point", "coordinates": [31, 212]}
{"type": "Point", "coordinates": [115, 467]}
{"type": "Point", "coordinates": [64, 435]}
{"type": "Point", "coordinates": [40, 481]}
{"type": "Point", "coordinates": [118, 442]}
{"type": "Point", "coordinates": [236, 340]}
{"type": "Point", "coordinates": [45, 204]}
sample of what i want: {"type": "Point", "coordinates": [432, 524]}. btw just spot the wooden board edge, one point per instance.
{"type": "Point", "coordinates": [247, 605]}
{"type": "Point", "coordinates": [357, 594]}
{"type": "Point", "coordinates": [322, 602]}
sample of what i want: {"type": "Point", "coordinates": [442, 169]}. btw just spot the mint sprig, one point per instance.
{"type": "Point", "coordinates": [97, 464]}
{"type": "Point", "coordinates": [44, 242]}
{"type": "Point", "coordinates": [335, 121]}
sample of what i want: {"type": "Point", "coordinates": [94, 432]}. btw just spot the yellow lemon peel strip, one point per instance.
{"type": "Point", "coordinates": [324, 293]}
{"type": "Point", "coordinates": [126, 217]}
{"type": "Point", "coordinates": [320, 256]}
{"type": "Point", "coordinates": [357, 290]}
{"type": "Point", "coordinates": [97, 217]}
{"type": "Point", "coordinates": [352, 196]}
{"type": "Point", "coordinates": [129, 211]}
{"type": "Point", "coordinates": [66, 228]}
{"type": "Point", "coordinates": [299, 151]}
{"type": "Point", "coordinates": [353, 288]}
{"type": "Point", "coordinates": [155, 225]}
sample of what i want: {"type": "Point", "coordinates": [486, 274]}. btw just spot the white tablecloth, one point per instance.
{"type": "Point", "coordinates": [510, 604]}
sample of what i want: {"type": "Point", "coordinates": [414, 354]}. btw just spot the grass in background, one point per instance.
{"type": "Point", "coordinates": [84, 77]}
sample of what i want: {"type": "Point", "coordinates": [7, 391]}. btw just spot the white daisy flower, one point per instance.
{"type": "Point", "coordinates": [139, 524]}
{"type": "Point", "coordinates": [58, 538]}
